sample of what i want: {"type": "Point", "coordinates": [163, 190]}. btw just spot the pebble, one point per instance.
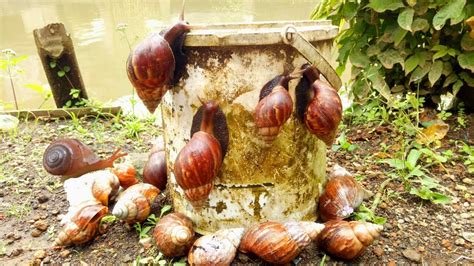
{"type": "Point", "coordinates": [468, 181]}
{"type": "Point", "coordinates": [36, 233]}
{"type": "Point", "coordinates": [47, 259]}
{"type": "Point", "coordinates": [43, 199]}
{"type": "Point", "coordinates": [392, 263]}
{"type": "Point", "coordinates": [469, 236]}
{"type": "Point", "coordinates": [446, 244]}
{"type": "Point", "coordinates": [55, 212]}
{"type": "Point", "coordinates": [378, 251]}
{"type": "Point", "coordinates": [64, 253]}
{"type": "Point", "coordinates": [41, 225]}
{"type": "Point", "coordinates": [460, 242]}
{"type": "Point", "coordinates": [465, 215]}
{"type": "Point", "coordinates": [400, 221]}
{"type": "Point", "coordinates": [412, 255]}
{"type": "Point", "coordinates": [16, 252]}
{"type": "Point", "coordinates": [460, 188]}
{"type": "Point", "coordinates": [127, 258]}
{"type": "Point", "coordinates": [40, 254]}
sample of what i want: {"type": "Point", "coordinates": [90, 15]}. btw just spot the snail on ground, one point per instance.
{"type": "Point", "coordinates": [72, 158]}
{"type": "Point", "coordinates": [347, 240]}
{"type": "Point", "coordinates": [83, 226]}
{"type": "Point", "coordinates": [279, 242]}
{"type": "Point", "coordinates": [198, 163]}
{"type": "Point", "coordinates": [154, 171]}
{"type": "Point", "coordinates": [135, 203]}
{"type": "Point", "coordinates": [318, 105]}
{"type": "Point", "coordinates": [174, 234]}
{"type": "Point", "coordinates": [218, 248]}
{"type": "Point", "coordinates": [341, 196]}
{"type": "Point", "coordinates": [156, 63]}
{"type": "Point", "coordinates": [105, 187]}
{"type": "Point", "coordinates": [126, 174]}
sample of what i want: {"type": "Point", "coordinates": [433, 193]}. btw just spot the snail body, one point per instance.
{"type": "Point", "coordinates": [72, 158]}
{"type": "Point", "coordinates": [218, 248]}
{"type": "Point", "coordinates": [105, 187]}
{"type": "Point", "coordinates": [347, 240]}
{"type": "Point", "coordinates": [198, 163]}
{"type": "Point", "coordinates": [83, 226]}
{"type": "Point", "coordinates": [127, 175]}
{"type": "Point", "coordinates": [341, 196]}
{"type": "Point", "coordinates": [274, 108]}
{"type": "Point", "coordinates": [174, 234]}
{"type": "Point", "coordinates": [154, 64]}
{"type": "Point", "coordinates": [154, 171]}
{"type": "Point", "coordinates": [135, 203]}
{"type": "Point", "coordinates": [279, 242]}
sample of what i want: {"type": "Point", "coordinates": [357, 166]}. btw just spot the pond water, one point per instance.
{"type": "Point", "coordinates": [102, 50]}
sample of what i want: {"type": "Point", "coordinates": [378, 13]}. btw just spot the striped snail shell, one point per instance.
{"type": "Point", "coordinates": [154, 171]}
{"type": "Point", "coordinates": [174, 234]}
{"type": "Point", "coordinates": [127, 174]}
{"type": "Point", "coordinates": [277, 242]}
{"type": "Point", "coordinates": [83, 226]}
{"type": "Point", "coordinates": [105, 186]}
{"type": "Point", "coordinates": [135, 203]}
{"type": "Point", "coordinates": [218, 248]}
{"type": "Point", "coordinates": [347, 240]}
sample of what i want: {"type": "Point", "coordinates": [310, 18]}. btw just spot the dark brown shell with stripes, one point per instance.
{"type": "Point", "coordinates": [174, 234]}
{"type": "Point", "coordinates": [279, 243]}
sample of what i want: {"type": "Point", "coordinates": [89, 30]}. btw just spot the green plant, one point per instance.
{"type": "Point", "coordinates": [150, 222]}
{"type": "Point", "coordinates": [9, 64]}
{"type": "Point", "coordinates": [108, 219]}
{"type": "Point", "coordinates": [343, 143]}
{"type": "Point", "coordinates": [365, 214]}
{"type": "Point", "coordinates": [469, 158]}
{"type": "Point", "coordinates": [401, 46]}
{"type": "Point", "coordinates": [44, 92]}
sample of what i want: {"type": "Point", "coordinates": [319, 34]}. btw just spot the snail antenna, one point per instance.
{"type": "Point", "coordinates": [181, 16]}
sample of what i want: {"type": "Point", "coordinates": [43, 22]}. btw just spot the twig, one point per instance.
{"type": "Point", "coordinates": [379, 194]}
{"type": "Point", "coordinates": [11, 83]}
{"type": "Point", "coordinates": [460, 258]}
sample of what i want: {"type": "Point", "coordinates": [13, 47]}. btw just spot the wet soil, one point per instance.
{"type": "Point", "coordinates": [416, 231]}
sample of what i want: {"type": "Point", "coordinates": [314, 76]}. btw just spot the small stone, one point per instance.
{"type": "Point", "coordinates": [9, 235]}
{"type": "Point", "coordinates": [43, 206]}
{"type": "Point", "coordinates": [392, 263]}
{"type": "Point", "coordinates": [460, 187]}
{"type": "Point", "coordinates": [446, 244]}
{"type": "Point", "coordinates": [400, 221]}
{"type": "Point", "coordinates": [127, 258]}
{"type": "Point", "coordinates": [146, 242]}
{"type": "Point", "coordinates": [421, 249]}
{"type": "Point", "coordinates": [43, 199]}
{"type": "Point", "coordinates": [16, 252]}
{"type": "Point", "coordinates": [47, 259]}
{"type": "Point", "coordinates": [64, 253]}
{"type": "Point", "coordinates": [378, 251]}
{"type": "Point", "coordinates": [41, 225]}
{"type": "Point", "coordinates": [412, 255]}
{"type": "Point", "coordinates": [36, 233]}
{"type": "Point", "coordinates": [468, 181]}
{"type": "Point", "coordinates": [469, 236]}
{"type": "Point", "coordinates": [459, 242]}
{"type": "Point", "coordinates": [55, 212]}
{"type": "Point", "coordinates": [30, 221]}
{"type": "Point", "coordinates": [40, 254]}
{"type": "Point", "coordinates": [17, 237]}
{"type": "Point", "coordinates": [465, 215]}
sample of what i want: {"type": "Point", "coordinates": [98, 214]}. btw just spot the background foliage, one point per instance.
{"type": "Point", "coordinates": [398, 46]}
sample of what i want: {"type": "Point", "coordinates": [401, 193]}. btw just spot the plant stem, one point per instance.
{"type": "Point", "coordinates": [11, 83]}
{"type": "Point", "coordinates": [379, 194]}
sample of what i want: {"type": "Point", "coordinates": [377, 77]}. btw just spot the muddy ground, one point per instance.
{"type": "Point", "coordinates": [416, 231]}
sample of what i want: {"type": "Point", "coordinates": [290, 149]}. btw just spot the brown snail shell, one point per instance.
{"type": "Point", "coordinates": [198, 163]}
{"type": "Point", "coordinates": [174, 235]}
{"type": "Point", "coordinates": [277, 242]}
{"type": "Point", "coordinates": [341, 196]}
{"type": "Point", "coordinates": [347, 240]}
{"type": "Point", "coordinates": [274, 108]}
{"type": "Point", "coordinates": [155, 171]}
{"type": "Point", "coordinates": [218, 248]}
{"type": "Point", "coordinates": [127, 175]}
{"type": "Point", "coordinates": [83, 226]}
{"type": "Point", "coordinates": [72, 158]}
{"type": "Point", "coordinates": [105, 187]}
{"type": "Point", "coordinates": [135, 203]}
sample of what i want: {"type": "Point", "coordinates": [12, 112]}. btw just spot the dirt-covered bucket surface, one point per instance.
{"type": "Point", "coordinates": [32, 201]}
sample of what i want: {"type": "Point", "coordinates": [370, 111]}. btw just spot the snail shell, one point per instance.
{"type": "Point", "coordinates": [154, 171]}
{"type": "Point", "coordinates": [174, 234]}
{"type": "Point", "coordinates": [134, 204]}
{"type": "Point", "coordinates": [347, 240]}
{"type": "Point", "coordinates": [126, 174]}
{"type": "Point", "coordinates": [274, 108]}
{"type": "Point", "coordinates": [218, 248]}
{"type": "Point", "coordinates": [199, 161]}
{"type": "Point", "coordinates": [83, 226]}
{"type": "Point", "coordinates": [72, 158]}
{"type": "Point", "coordinates": [105, 187]}
{"type": "Point", "coordinates": [341, 196]}
{"type": "Point", "coordinates": [278, 242]}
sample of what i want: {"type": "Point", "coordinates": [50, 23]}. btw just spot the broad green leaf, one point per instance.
{"type": "Point", "coordinates": [389, 58]}
{"type": "Point", "coordinates": [38, 88]}
{"type": "Point", "coordinates": [466, 61]}
{"type": "Point", "coordinates": [358, 59]}
{"type": "Point", "coordinates": [435, 72]}
{"type": "Point", "coordinates": [412, 158]}
{"type": "Point", "coordinates": [467, 78]}
{"type": "Point", "coordinates": [457, 86]}
{"type": "Point", "coordinates": [378, 82]}
{"type": "Point", "coordinates": [395, 163]}
{"type": "Point", "coordinates": [165, 209]}
{"type": "Point", "coordinates": [61, 73]}
{"type": "Point", "coordinates": [450, 80]}
{"type": "Point", "coordinates": [419, 73]}
{"type": "Point", "coordinates": [399, 34]}
{"type": "Point", "coordinates": [447, 68]}
{"type": "Point", "coordinates": [411, 63]}
{"type": "Point", "coordinates": [349, 10]}
{"type": "Point", "coordinates": [420, 24]}
{"type": "Point", "coordinates": [439, 198]}
{"type": "Point", "coordinates": [384, 5]}
{"type": "Point", "coordinates": [441, 51]}
{"type": "Point", "coordinates": [405, 18]}
{"type": "Point", "coordinates": [467, 43]}
{"type": "Point", "coordinates": [452, 10]}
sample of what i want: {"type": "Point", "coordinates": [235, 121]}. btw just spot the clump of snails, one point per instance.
{"type": "Point", "coordinates": [318, 105]}
{"type": "Point", "coordinates": [156, 63]}
{"type": "Point", "coordinates": [174, 235]}
{"type": "Point", "coordinates": [135, 203]}
{"type": "Point", "coordinates": [83, 226]}
{"type": "Point", "coordinates": [198, 163]}
{"type": "Point", "coordinates": [127, 174]}
{"type": "Point", "coordinates": [105, 187]}
{"type": "Point", "coordinates": [72, 158]}
{"type": "Point", "coordinates": [218, 248]}
{"type": "Point", "coordinates": [277, 242]}
{"type": "Point", "coordinates": [154, 171]}
{"type": "Point", "coordinates": [341, 196]}
{"type": "Point", "coordinates": [347, 240]}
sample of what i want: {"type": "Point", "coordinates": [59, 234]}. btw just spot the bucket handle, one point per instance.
{"type": "Point", "coordinates": [292, 37]}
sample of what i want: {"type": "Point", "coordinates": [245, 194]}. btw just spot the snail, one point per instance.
{"type": "Point", "coordinates": [218, 248]}
{"type": "Point", "coordinates": [341, 195]}
{"type": "Point", "coordinates": [156, 63]}
{"type": "Point", "coordinates": [105, 187]}
{"type": "Point", "coordinates": [83, 225]}
{"type": "Point", "coordinates": [72, 158]}
{"type": "Point", "coordinates": [154, 171]}
{"type": "Point", "coordinates": [174, 234]}
{"type": "Point", "coordinates": [347, 240]}
{"type": "Point", "coordinates": [279, 243]}
{"type": "Point", "coordinates": [200, 160]}
{"type": "Point", "coordinates": [318, 105]}
{"type": "Point", "coordinates": [135, 203]}
{"type": "Point", "coordinates": [126, 174]}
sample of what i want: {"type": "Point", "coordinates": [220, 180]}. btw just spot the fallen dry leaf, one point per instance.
{"type": "Point", "coordinates": [382, 155]}
{"type": "Point", "coordinates": [436, 131]}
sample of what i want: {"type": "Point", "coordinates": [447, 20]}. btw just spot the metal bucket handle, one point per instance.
{"type": "Point", "coordinates": [292, 37]}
